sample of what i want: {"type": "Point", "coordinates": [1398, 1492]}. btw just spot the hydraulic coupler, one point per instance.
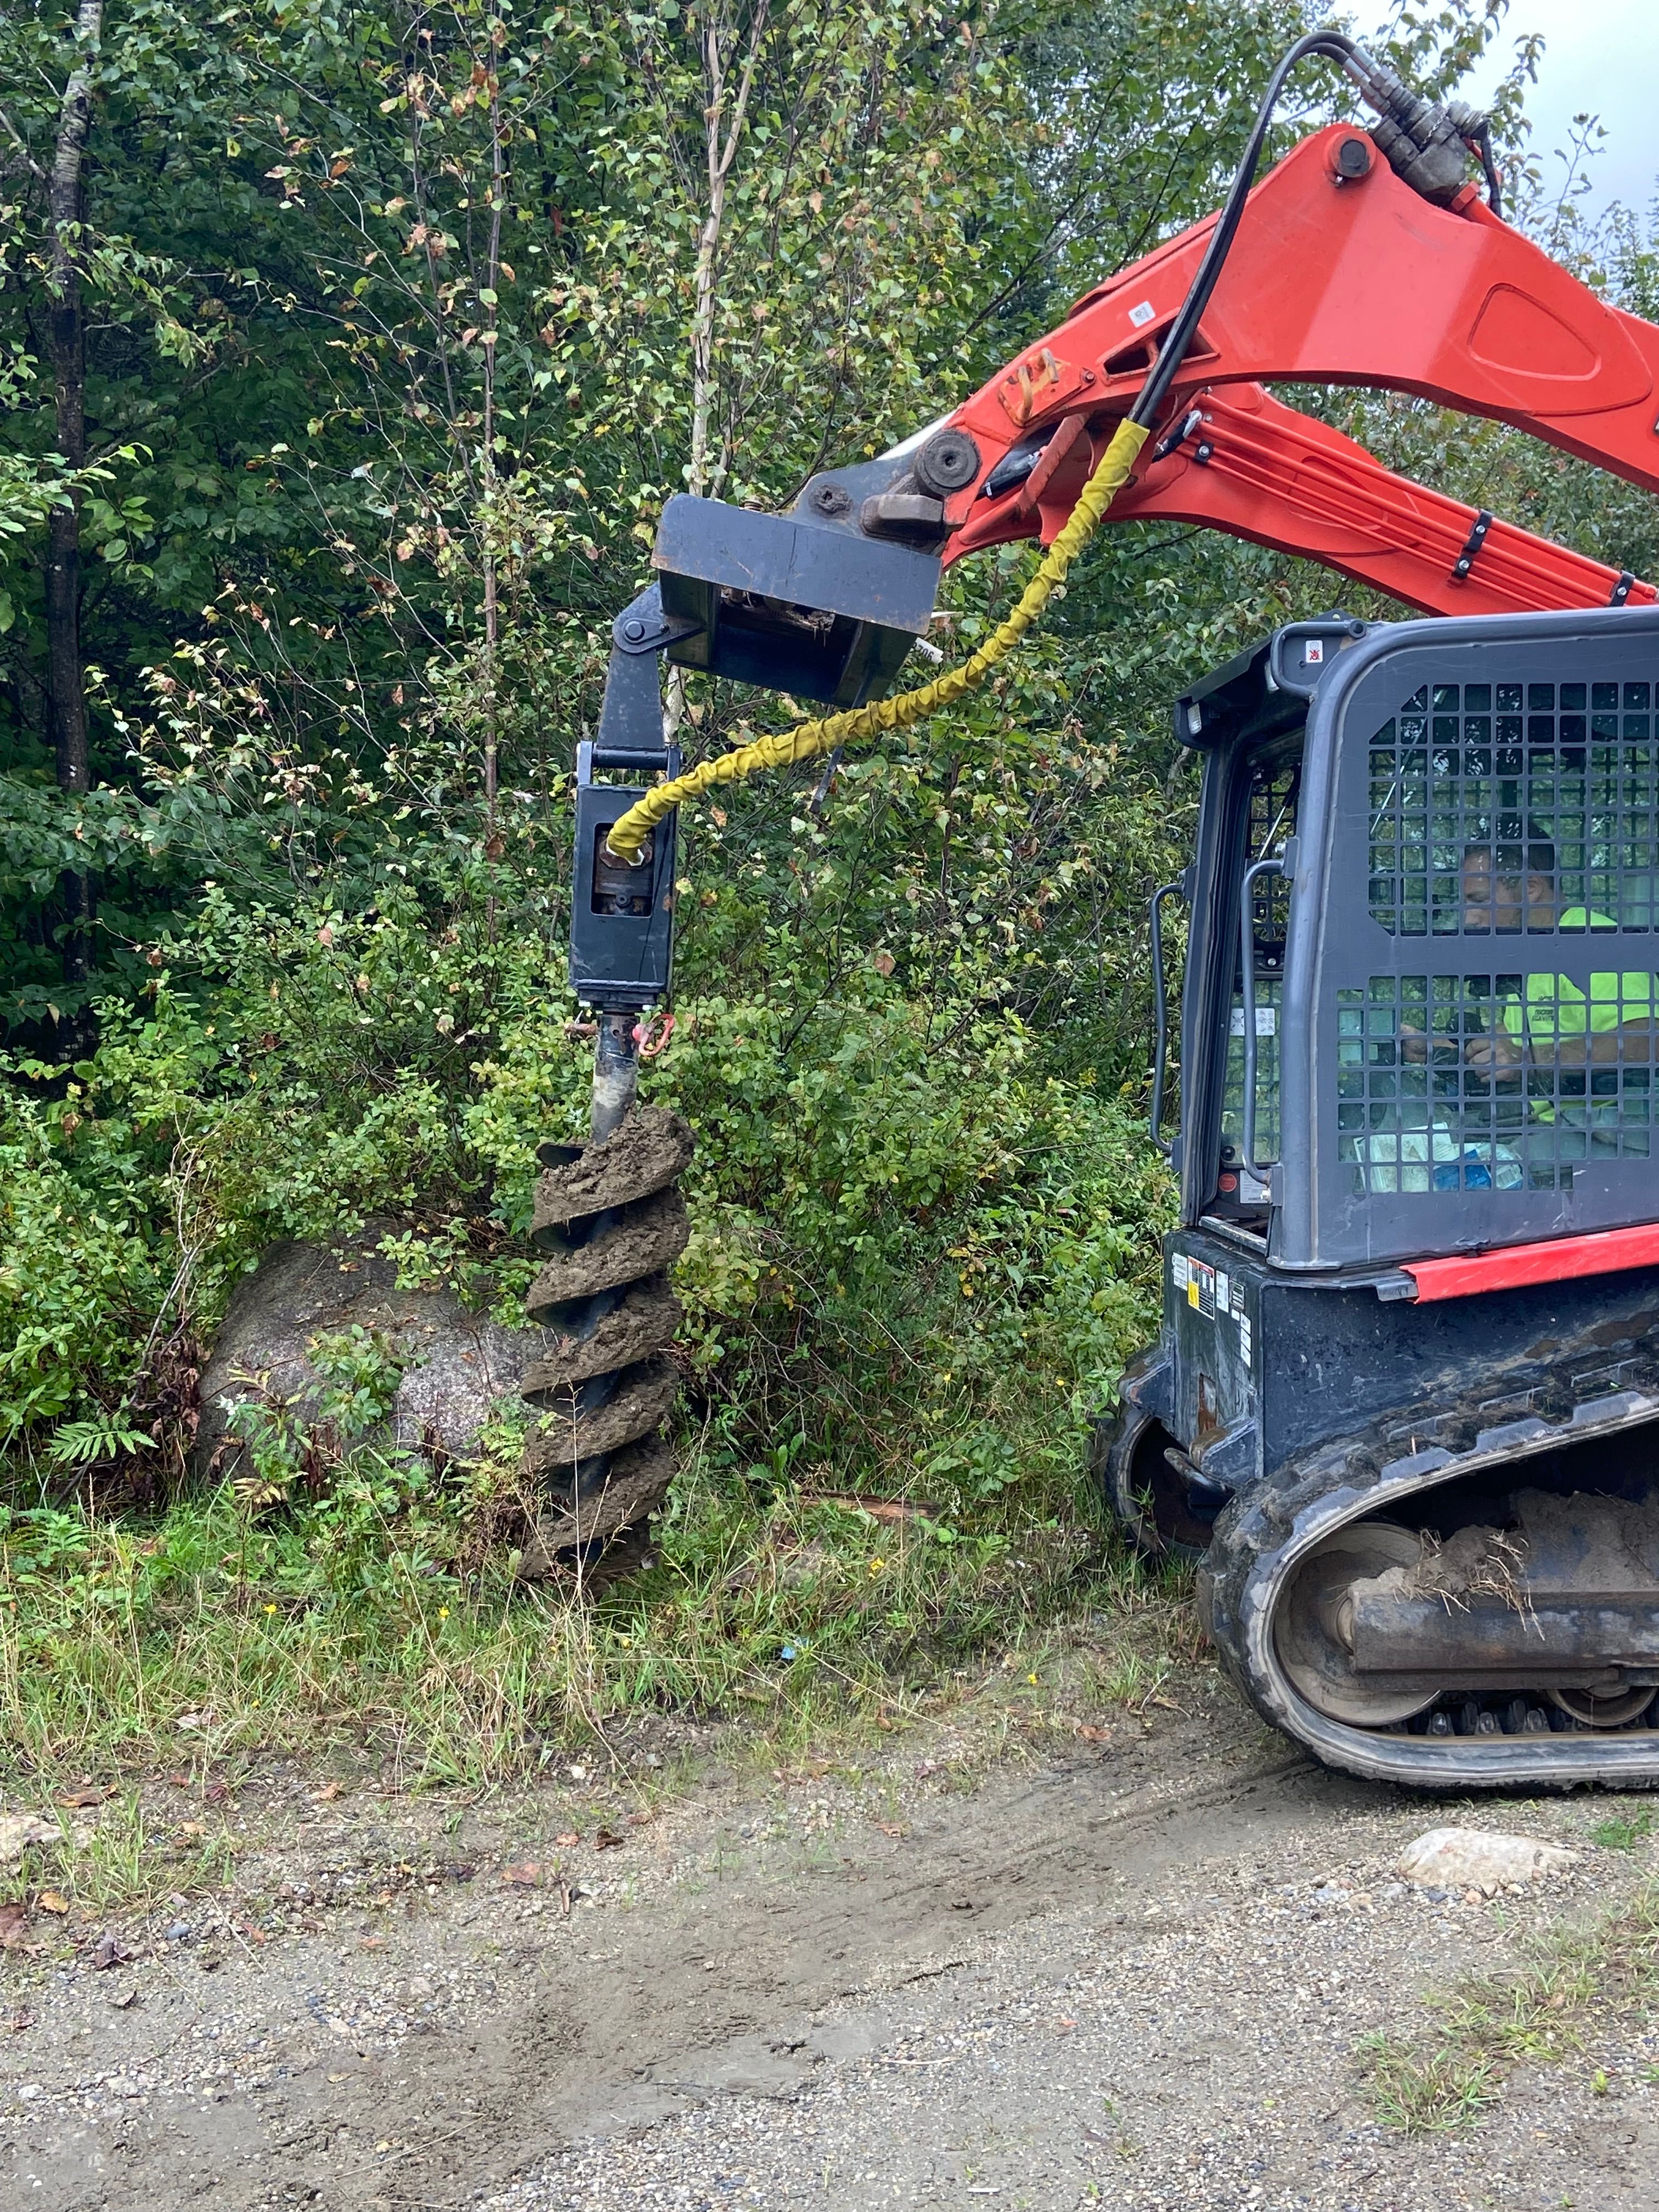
{"type": "Point", "coordinates": [608, 1216]}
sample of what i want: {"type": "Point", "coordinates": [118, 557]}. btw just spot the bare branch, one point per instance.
{"type": "Point", "coordinates": [16, 139]}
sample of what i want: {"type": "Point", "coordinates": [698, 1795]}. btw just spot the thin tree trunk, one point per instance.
{"type": "Point", "coordinates": [491, 520]}
{"type": "Point", "coordinates": [721, 152]}
{"type": "Point", "coordinates": [65, 193]}
{"type": "Point", "coordinates": [722, 135]}
{"type": "Point", "coordinates": [703, 296]}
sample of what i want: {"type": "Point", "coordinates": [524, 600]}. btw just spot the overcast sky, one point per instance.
{"type": "Point", "coordinates": [1602, 56]}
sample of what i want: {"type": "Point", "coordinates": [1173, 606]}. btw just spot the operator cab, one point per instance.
{"type": "Point", "coordinates": [1418, 1012]}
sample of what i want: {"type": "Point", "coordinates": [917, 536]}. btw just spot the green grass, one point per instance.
{"type": "Point", "coordinates": [200, 1633]}
{"type": "Point", "coordinates": [1130, 1674]}
{"type": "Point", "coordinates": [1623, 1831]}
{"type": "Point", "coordinates": [1575, 1983]}
{"type": "Point", "coordinates": [1426, 2093]}
{"type": "Point", "coordinates": [125, 1854]}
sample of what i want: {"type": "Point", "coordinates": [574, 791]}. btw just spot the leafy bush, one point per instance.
{"type": "Point", "coordinates": [84, 1269]}
{"type": "Point", "coordinates": [896, 1207]}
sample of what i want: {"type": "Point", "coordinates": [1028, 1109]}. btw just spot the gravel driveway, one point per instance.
{"type": "Point", "coordinates": [1123, 1972]}
{"type": "Point", "coordinates": [1191, 2047]}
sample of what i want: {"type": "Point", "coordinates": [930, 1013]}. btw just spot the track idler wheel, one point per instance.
{"type": "Point", "coordinates": [609, 1222]}
{"type": "Point", "coordinates": [1618, 1710]}
{"type": "Point", "coordinates": [1313, 1631]}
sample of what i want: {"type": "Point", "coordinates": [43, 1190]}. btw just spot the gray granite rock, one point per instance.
{"type": "Point", "coordinates": [459, 1365]}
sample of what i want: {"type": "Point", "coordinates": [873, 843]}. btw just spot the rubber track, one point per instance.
{"type": "Point", "coordinates": [1586, 1389]}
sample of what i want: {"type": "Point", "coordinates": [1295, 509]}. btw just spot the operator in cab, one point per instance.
{"type": "Point", "coordinates": [1584, 1054]}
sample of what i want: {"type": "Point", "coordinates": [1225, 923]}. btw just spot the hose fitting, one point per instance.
{"type": "Point", "coordinates": [1425, 142]}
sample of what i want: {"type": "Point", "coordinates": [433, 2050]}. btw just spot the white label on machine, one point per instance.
{"type": "Point", "coordinates": [1244, 1341]}
{"type": "Point", "coordinates": [1266, 1021]}
{"type": "Point", "coordinates": [1313, 651]}
{"type": "Point", "coordinates": [1178, 1271]}
{"type": "Point", "coordinates": [1141, 315]}
{"type": "Point", "coordinates": [1224, 1292]}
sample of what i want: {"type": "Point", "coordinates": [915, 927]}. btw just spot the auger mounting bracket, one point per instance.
{"type": "Point", "coordinates": [621, 915]}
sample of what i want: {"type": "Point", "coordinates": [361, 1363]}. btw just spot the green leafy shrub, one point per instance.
{"type": "Point", "coordinates": [84, 1267]}
{"type": "Point", "coordinates": [286, 1441]}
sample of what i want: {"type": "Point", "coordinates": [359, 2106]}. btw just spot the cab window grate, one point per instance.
{"type": "Point", "coordinates": [1505, 1081]}
{"type": "Point", "coordinates": [1546, 794]}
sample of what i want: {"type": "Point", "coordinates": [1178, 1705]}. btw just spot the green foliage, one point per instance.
{"type": "Point", "coordinates": [103, 1436]}
{"type": "Point", "coordinates": [283, 1442]}
{"type": "Point", "coordinates": [1622, 1832]}
{"type": "Point", "coordinates": [1429, 2095]}
{"type": "Point", "coordinates": [909, 1241]}
{"type": "Point", "coordinates": [361, 1605]}
{"type": "Point", "coordinates": [404, 321]}
{"type": "Point", "coordinates": [83, 1271]}
{"type": "Point", "coordinates": [888, 1192]}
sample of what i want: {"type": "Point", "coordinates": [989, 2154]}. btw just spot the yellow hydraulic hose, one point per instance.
{"type": "Point", "coordinates": [806, 739]}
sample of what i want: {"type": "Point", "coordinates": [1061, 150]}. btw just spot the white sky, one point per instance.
{"type": "Point", "coordinates": [1599, 55]}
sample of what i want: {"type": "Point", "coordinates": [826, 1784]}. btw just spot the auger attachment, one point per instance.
{"type": "Point", "coordinates": [608, 1215]}
{"type": "Point", "coordinates": [611, 1223]}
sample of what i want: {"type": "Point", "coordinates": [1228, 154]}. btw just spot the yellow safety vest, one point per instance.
{"type": "Point", "coordinates": [1556, 1007]}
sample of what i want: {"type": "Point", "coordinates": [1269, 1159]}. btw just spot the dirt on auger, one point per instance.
{"type": "Point", "coordinates": [611, 1223]}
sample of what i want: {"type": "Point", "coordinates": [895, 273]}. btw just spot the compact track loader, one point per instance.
{"type": "Point", "coordinates": [1404, 1407]}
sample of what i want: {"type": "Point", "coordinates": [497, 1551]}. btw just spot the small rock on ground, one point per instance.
{"type": "Point", "coordinates": [1475, 1859]}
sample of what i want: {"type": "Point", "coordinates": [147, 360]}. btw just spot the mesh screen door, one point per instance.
{"type": "Point", "coordinates": [1495, 1023]}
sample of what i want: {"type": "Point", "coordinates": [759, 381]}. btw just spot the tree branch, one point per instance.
{"type": "Point", "coordinates": [16, 139]}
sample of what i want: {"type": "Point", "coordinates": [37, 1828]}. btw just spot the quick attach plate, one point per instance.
{"type": "Point", "coordinates": [816, 609]}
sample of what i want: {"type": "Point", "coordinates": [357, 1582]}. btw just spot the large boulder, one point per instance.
{"type": "Point", "coordinates": [458, 1366]}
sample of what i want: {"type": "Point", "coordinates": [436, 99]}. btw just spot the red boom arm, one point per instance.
{"type": "Point", "coordinates": [1334, 279]}
{"type": "Point", "coordinates": [1260, 470]}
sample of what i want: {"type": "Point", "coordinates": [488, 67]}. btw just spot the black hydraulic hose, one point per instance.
{"type": "Point", "coordinates": [1150, 400]}
{"type": "Point", "coordinates": [1489, 169]}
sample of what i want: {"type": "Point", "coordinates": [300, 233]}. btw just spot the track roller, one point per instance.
{"type": "Point", "coordinates": [609, 1222]}
{"type": "Point", "coordinates": [1480, 1619]}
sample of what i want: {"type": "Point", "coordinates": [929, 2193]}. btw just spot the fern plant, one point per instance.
{"type": "Point", "coordinates": [97, 1436]}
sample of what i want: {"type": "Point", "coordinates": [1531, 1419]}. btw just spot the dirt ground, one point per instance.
{"type": "Point", "coordinates": [1125, 1969]}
